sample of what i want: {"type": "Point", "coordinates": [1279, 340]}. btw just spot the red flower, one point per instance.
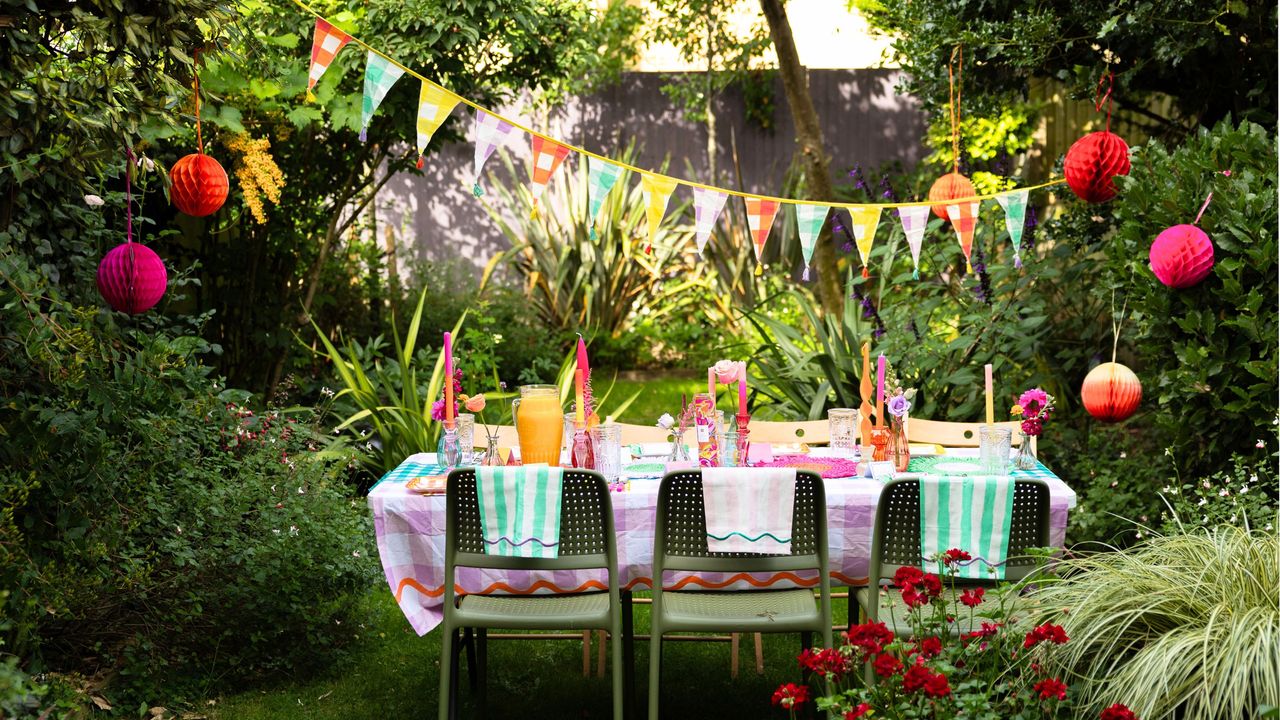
{"type": "Point", "coordinates": [937, 686]}
{"type": "Point", "coordinates": [1048, 631]}
{"type": "Point", "coordinates": [1115, 712]}
{"type": "Point", "coordinates": [857, 712]}
{"type": "Point", "coordinates": [932, 585]}
{"type": "Point", "coordinates": [790, 695]}
{"type": "Point", "coordinates": [827, 661]}
{"type": "Point", "coordinates": [1051, 688]}
{"type": "Point", "coordinates": [972, 598]}
{"type": "Point", "coordinates": [915, 678]}
{"type": "Point", "coordinates": [871, 637]}
{"type": "Point", "coordinates": [907, 577]}
{"type": "Point", "coordinates": [955, 555]}
{"type": "Point", "coordinates": [914, 599]}
{"type": "Point", "coordinates": [930, 647]}
{"type": "Point", "coordinates": [987, 630]}
{"type": "Point", "coordinates": [887, 665]}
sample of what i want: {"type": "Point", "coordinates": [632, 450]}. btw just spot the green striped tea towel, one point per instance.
{"type": "Point", "coordinates": [969, 513]}
{"type": "Point", "coordinates": [520, 510]}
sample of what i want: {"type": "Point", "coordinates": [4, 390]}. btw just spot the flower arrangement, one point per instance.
{"type": "Point", "coordinates": [995, 667]}
{"type": "Point", "coordinates": [437, 407]}
{"type": "Point", "coordinates": [1034, 407]}
{"type": "Point", "coordinates": [899, 404]}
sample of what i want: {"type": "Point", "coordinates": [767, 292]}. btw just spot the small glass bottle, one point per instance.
{"type": "Point", "coordinates": [448, 451]}
{"type": "Point", "coordinates": [729, 455]}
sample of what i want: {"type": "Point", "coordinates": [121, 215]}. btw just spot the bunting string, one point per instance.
{"type": "Point", "coordinates": [332, 40]}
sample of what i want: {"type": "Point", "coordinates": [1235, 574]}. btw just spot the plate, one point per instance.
{"type": "Point", "coordinates": [427, 484]}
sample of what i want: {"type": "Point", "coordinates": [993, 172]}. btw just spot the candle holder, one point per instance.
{"type": "Point", "coordinates": [581, 455]}
{"type": "Point", "coordinates": [744, 439]}
{"type": "Point", "coordinates": [448, 451]}
{"type": "Point", "coordinates": [881, 440]}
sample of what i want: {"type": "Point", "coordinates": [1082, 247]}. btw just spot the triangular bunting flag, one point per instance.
{"type": "Point", "coordinates": [601, 176]}
{"type": "Point", "coordinates": [809, 220]}
{"type": "Point", "coordinates": [547, 156]}
{"type": "Point", "coordinates": [434, 105]}
{"type": "Point", "coordinates": [760, 217]}
{"type": "Point", "coordinates": [379, 75]}
{"type": "Point", "coordinates": [864, 219]}
{"type": "Point", "coordinates": [1015, 218]}
{"type": "Point", "coordinates": [326, 44]}
{"type": "Point", "coordinates": [707, 206]}
{"type": "Point", "coordinates": [915, 218]}
{"type": "Point", "coordinates": [657, 192]}
{"type": "Point", "coordinates": [964, 218]}
{"type": "Point", "coordinates": [491, 133]}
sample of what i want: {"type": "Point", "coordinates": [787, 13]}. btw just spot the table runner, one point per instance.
{"type": "Point", "coordinates": [411, 530]}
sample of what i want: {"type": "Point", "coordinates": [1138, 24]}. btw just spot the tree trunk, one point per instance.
{"type": "Point", "coordinates": [809, 136]}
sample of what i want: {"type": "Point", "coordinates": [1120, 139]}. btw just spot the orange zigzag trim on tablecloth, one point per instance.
{"type": "Point", "coordinates": [597, 585]}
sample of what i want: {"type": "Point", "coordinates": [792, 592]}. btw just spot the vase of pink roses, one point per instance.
{"type": "Point", "coordinates": [1034, 407]}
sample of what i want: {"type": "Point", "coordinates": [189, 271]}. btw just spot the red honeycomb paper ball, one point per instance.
{"type": "Point", "coordinates": [198, 185]}
{"type": "Point", "coordinates": [1092, 163]}
{"type": "Point", "coordinates": [1111, 392]}
{"type": "Point", "coordinates": [132, 278]}
{"type": "Point", "coordinates": [951, 186]}
{"type": "Point", "coordinates": [1181, 256]}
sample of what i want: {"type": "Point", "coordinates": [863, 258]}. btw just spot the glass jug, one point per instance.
{"type": "Point", "coordinates": [539, 424]}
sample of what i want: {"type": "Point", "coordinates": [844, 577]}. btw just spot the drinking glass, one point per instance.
{"type": "Point", "coordinates": [466, 439]}
{"type": "Point", "coordinates": [843, 424]}
{"type": "Point", "coordinates": [606, 441]}
{"type": "Point", "coordinates": [721, 429]}
{"type": "Point", "coordinates": [993, 449]}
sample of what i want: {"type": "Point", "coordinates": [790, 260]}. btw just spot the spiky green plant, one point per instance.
{"type": "Point", "coordinates": [1184, 625]}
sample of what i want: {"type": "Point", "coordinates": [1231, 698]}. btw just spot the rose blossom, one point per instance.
{"type": "Point", "coordinates": [475, 403]}
{"type": "Point", "coordinates": [729, 371]}
{"type": "Point", "coordinates": [93, 201]}
{"type": "Point", "coordinates": [899, 405]}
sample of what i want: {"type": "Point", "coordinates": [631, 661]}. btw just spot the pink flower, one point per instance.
{"type": "Point", "coordinates": [437, 410]}
{"type": "Point", "coordinates": [728, 372]}
{"type": "Point", "coordinates": [1033, 400]}
{"type": "Point", "coordinates": [475, 403]}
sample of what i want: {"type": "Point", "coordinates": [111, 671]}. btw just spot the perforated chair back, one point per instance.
{"type": "Point", "coordinates": [680, 537]}
{"type": "Point", "coordinates": [896, 539]}
{"type": "Point", "coordinates": [587, 538]}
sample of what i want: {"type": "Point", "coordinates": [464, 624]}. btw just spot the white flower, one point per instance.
{"type": "Point", "coordinates": [301, 491]}
{"type": "Point", "coordinates": [1244, 489]}
{"type": "Point", "coordinates": [1124, 455]}
{"type": "Point", "coordinates": [95, 201]}
{"type": "Point", "coordinates": [1253, 479]}
{"type": "Point", "coordinates": [1202, 502]}
{"type": "Point", "coordinates": [666, 422]}
{"type": "Point", "coordinates": [1260, 444]}
{"type": "Point", "coordinates": [1224, 492]}
{"type": "Point", "coordinates": [355, 553]}
{"type": "Point", "coordinates": [326, 392]}
{"type": "Point", "coordinates": [1232, 520]}
{"type": "Point", "coordinates": [497, 338]}
{"type": "Point", "coordinates": [275, 531]}
{"type": "Point", "coordinates": [293, 530]}
{"type": "Point", "coordinates": [1115, 483]}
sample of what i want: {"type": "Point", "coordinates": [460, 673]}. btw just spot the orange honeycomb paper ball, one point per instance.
{"type": "Point", "coordinates": [1111, 392]}
{"type": "Point", "coordinates": [1092, 164]}
{"type": "Point", "coordinates": [198, 185]}
{"type": "Point", "coordinates": [951, 186]}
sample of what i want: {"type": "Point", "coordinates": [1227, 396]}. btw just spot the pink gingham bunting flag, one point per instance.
{"type": "Point", "coordinates": [707, 206]}
{"type": "Point", "coordinates": [915, 218]}
{"type": "Point", "coordinates": [492, 132]}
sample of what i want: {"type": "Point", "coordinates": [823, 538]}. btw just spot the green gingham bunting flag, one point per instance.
{"type": "Point", "coordinates": [809, 220]}
{"type": "Point", "coordinates": [707, 205]}
{"type": "Point", "coordinates": [1015, 214]}
{"type": "Point", "coordinates": [601, 175]}
{"type": "Point", "coordinates": [379, 75]}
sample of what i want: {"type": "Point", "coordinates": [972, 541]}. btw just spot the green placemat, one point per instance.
{"type": "Point", "coordinates": [949, 465]}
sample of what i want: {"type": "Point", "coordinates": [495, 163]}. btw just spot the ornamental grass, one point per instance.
{"type": "Point", "coordinates": [1181, 625]}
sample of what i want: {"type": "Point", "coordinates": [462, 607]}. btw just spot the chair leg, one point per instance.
{"type": "Point", "coordinates": [454, 658]}
{"type": "Point", "coordinates": [446, 674]}
{"type": "Point", "coordinates": [586, 653]}
{"type": "Point", "coordinates": [628, 656]}
{"type": "Point", "coordinates": [469, 646]}
{"type": "Point", "coordinates": [482, 671]}
{"type": "Point", "coordinates": [655, 669]}
{"type": "Point", "coordinates": [759, 643]}
{"type": "Point", "coordinates": [600, 653]}
{"type": "Point", "coordinates": [616, 642]}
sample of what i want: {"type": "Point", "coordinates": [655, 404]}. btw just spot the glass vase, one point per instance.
{"type": "Point", "coordinates": [1024, 460]}
{"type": "Point", "coordinates": [448, 451]}
{"type": "Point", "coordinates": [492, 457]}
{"type": "Point", "coordinates": [679, 452]}
{"type": "Point", "coordinates": [899, 448]}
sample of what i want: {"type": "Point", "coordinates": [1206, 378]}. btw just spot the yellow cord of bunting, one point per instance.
{"type": "Point", "coordinates": [769, 198]}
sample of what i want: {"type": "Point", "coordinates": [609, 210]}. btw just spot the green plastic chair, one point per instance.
{"type": "Point", "coordinates": [895, 543]}
{"type": "Point", "coordinates": [587, 541]}
{"type": "Point", "coordinates": [680, 543]}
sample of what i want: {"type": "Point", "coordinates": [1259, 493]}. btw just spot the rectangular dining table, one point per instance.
{"type": "Point", "coordinates": [410, 531]}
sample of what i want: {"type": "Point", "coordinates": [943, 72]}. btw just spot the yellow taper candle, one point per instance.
{"type": "Point", "coordinates": [991, 410]}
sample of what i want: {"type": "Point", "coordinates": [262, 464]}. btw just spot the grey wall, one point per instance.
{"type": "Point", "coordinates": [863, 119]}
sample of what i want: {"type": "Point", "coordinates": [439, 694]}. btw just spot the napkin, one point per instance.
{"type": "Point", "coordinates": [520, 510]}
{"type": "Point", "coordinates": [749, 509]}
{"type": "Point", "coordinates": [969, 513]}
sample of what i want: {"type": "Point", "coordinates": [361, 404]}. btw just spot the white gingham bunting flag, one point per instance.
{"type": "Point", "coordinates": [707, 206]}
{"type": "Point", "coordinates": [492, 132]}
{"type": "Point", "coordinates": [915, 218]}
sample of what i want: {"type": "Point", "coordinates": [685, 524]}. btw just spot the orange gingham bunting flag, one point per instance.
{"type": "Point", "coordinates": [964, 218]}
{"type": "Point", "coordinates": [547, 156]}
{"type": "Point", "coordinates": [760, 216]}
{"type": "Point", "coordinates": [325, 46]}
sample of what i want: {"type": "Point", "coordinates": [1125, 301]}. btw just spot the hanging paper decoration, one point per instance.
{"type": "Point", "coordinates": [657, 193]}
{"type": "Point", "coordinates": [964, 218]}
{"type": "Point", "coordinates": [547, 156]}
{"type": "Point", "coordinates": [1094, 160]}
{"type": "Point", "coordinates": [131, 278]}
{"type": "Point", "coordinates": [809, 220]}
{"type": "Point", "coordinates": [1181, 256]}
{"type": "Point", "coordinates": [760, 216]}
{"type": "Point", "coordinates": [601, 176]}
{"type": "Point", "coordinates": [952, 186]}
{"type": "Point", "coordinates": [491, 133]}
{"type": "Point", "coordinates": [379, 75]}
{"type": "Point", "coordinates": [434, 106]}
{"type": "Point", "coordinates": [707, 206]}
{"type": "Point", "coordinates": [864, 219]}
{"type": "Point", "coordinates": [325, 46]}
{"type": "Point", "coordinates": [198, 184]}
{"type": "Point", "coordinates": [915, 218]}
{"type": "Point", "coordinates": [1111, 392]}
{"type": "Point", "coordinates": [1015, 214]}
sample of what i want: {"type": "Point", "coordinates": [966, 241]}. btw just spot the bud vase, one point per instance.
{"type": "Point", "coordinates": [1024, 460]}
{"type": "Point", "coordinates": [900, 449]}
{"type": "Point", "coordinates": [491, 455]}
{"type": "Point", "coordinates": [679, 452]}
{"type": "Point", "coordinates": [448, 451]}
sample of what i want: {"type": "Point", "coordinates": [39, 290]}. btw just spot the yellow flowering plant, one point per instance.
{"type": "Point", "coordinates": [257, 173]}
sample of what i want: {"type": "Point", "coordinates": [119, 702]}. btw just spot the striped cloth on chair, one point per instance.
{"type": "Point", "coordinates": [969, 513]}
{"type": "Point", "coordinates": [520, 510]}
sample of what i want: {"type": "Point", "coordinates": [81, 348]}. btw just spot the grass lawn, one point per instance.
{"type": "Point", "coordinates": [393, 673]}
{"type": "Point", "coordinates": [657, 395]}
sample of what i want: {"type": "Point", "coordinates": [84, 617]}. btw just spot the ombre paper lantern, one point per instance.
{"type": "Point", "coordinates": [1181, 256]}
{"type": "Point", "coordinates": [132, 278]}
{"type": "Point", "coordinates": [1111, 392]}
{"type": "Point", "coordinates": [1092, 164]}
{"type": "Point", "coordinates": [952, 186]}
{"type": "Point", "coordinates": [198, 185]}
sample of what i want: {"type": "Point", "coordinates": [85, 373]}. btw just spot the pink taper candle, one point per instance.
{"type": "Point", "coordinates": [742, 394]}
{"type": "Point", "coordinates": [880, 390]}
{"type": "Point", "coordinates": [580, 382]}
{"type": "Point", "coordinates": [991, 410]}
{"type": "Point", "coordinates": [448, 377]}
{"type": "Point", "coordinates": [582, 357]}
